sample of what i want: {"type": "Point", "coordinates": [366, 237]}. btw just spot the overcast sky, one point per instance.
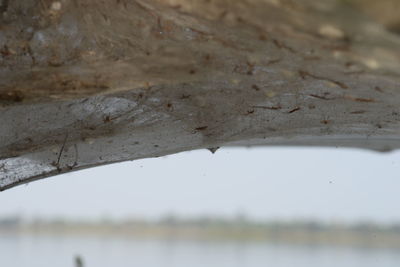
{"type": "Point", "coordinates": [270, 183]}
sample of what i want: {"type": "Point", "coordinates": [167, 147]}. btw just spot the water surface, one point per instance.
{"type": "Point", "coordinates": [59, 251]}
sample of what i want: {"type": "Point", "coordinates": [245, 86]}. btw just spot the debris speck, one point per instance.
{"type": "Point", "coordinates": [89, 141]}
{"type": "Point", "coordinates": [371, 63]}
{"type": "Point", "coordinates": [202, 128]}
{"type": "Point", "coordinates": [331, 32]}
{"type": "Point", "coordinates": [270, 94]}
{"type": "Point", "coordinates": [56, 6]}
{"type": "Point", "coordinates": [294, 110]}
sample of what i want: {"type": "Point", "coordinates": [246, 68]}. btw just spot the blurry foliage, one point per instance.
{"type": "Point", "coordinates": [362, 234]}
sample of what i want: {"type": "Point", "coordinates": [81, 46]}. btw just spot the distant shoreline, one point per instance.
{"type": "Point", "coordinates": [301, 233]}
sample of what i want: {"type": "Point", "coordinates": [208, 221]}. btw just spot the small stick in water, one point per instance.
{"type": "Point", "coordinates": [78, 261]}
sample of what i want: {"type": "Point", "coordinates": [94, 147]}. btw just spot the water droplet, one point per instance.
{"type": "Point", "coordinates": [213, 149]}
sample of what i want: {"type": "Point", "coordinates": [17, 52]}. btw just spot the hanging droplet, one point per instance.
{"type": "Point", "coordinates": [213, 149]}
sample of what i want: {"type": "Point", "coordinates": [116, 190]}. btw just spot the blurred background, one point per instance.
{"type": "Point", "coordinates": [237, 207]}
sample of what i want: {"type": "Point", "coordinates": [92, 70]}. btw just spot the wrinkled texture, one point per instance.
{"type": "Point", "coordinates": [86, 83]}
